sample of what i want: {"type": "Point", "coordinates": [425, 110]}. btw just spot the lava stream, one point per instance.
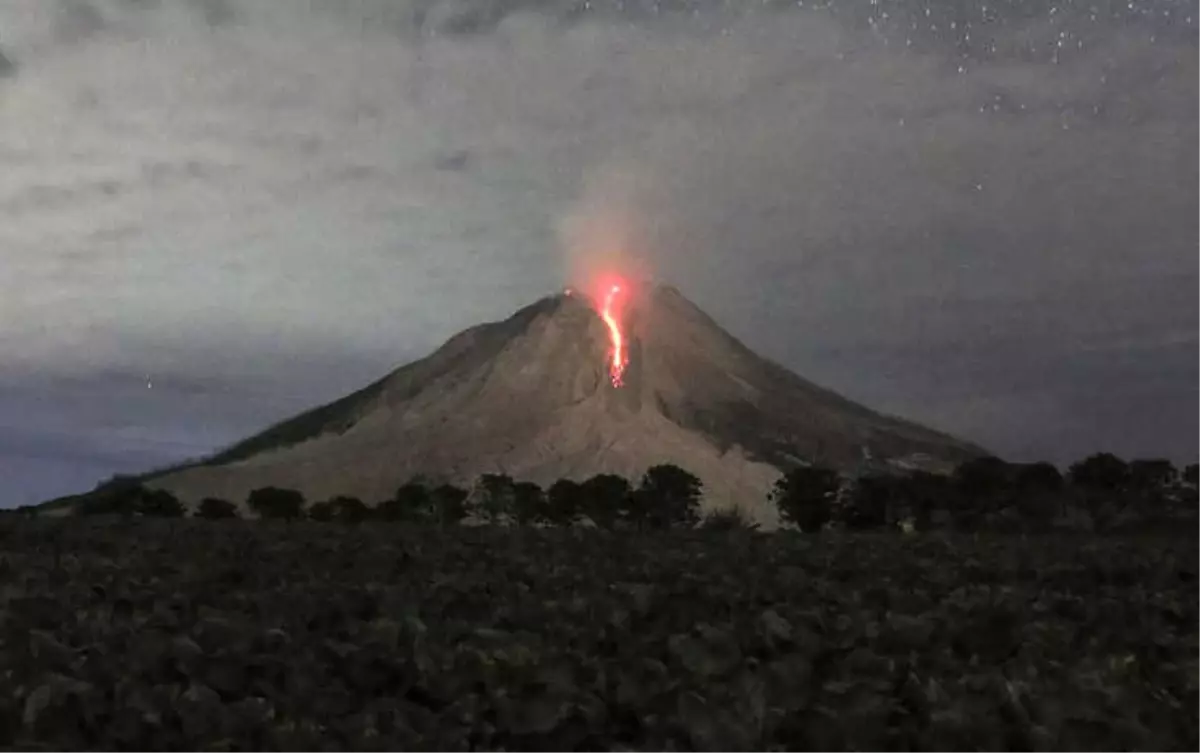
{"type": "Point", "coordinates": [618, 359]}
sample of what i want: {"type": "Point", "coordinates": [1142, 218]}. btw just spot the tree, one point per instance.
{"type": "Point", "coordinates": [1152, 475]}
{"type": "Point", "coordinates": [108, 504]}
{"type": "Point", "coordinates": [127, 496]}
{"type": "Point", "coordinates": [159, 503]}
{"type": "Point", "coordinates": [1100, 486]}
{"type": "Point", "coordinates": [411, 502]}
{"type": "Point", "coordinates": [603, 497]}
{"type": "Point", "coordinates": [449, 504]}
{"type": "Point", "coordinates": [1102, 471]}
{"type": "Point", "coordinates": [1037, 477]}
{"type": "Point", "coordinates": [496, 497]}
{"type": "Point", "coordinates": [529, 503]}
{"type": "Point", "coordinates": [564, 501]}
{"type": "Point", "coordinates": [349, 509]}
{"type": "Point", "coordinates": [1191, 473]}
{"type": "Point", "coordinates": [213, 508]}
{"type": "Point", "coordinates": [668, 496]}
{"type": "Point", "coordinates": [728, 519]}
{"type": "Point", "coordinates": [805, 496]}
{"type": "Point", "coordinates": [322, 512]}
{"type": "Point", "coordinates": [120, 495]}
{"type": "Point", "coordinates": [930, 499]}
{"type": "Point", "coordinates": [872, 502]}
{"type": "Point", "coordinates": [981, 478]}
{"type": "Point", "coordinates": [1033, 500]}
{"type": "Point", "coordinates": [270, 502]}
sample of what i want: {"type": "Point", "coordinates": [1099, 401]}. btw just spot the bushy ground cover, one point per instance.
{"type": "Point", "coordinates": [196, 634]}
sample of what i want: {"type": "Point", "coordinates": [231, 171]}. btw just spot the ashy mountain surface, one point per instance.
{"type": "Point", "coordinates": [533, 397]}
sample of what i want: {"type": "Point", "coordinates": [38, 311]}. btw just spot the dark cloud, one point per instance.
{"type": "Point", "coordinates": [976, 215]}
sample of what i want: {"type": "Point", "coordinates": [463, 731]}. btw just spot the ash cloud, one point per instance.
{"type": "Point", "coordinates": [942, 214]}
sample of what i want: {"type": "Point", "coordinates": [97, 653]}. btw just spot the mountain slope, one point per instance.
{"type": "Point", "coordinates": [530, 396]}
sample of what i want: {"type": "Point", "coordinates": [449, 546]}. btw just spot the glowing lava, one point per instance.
{"type": "Point", "coordinates": [618, 358]}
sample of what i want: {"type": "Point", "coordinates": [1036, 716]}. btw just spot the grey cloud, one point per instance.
{"type": "Point", "coordinates": [182, 196]}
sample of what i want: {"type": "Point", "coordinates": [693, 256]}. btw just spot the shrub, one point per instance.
{"type": "Point", "coordinates": [805, 496]}
{"type": "Point", "coordinates": [271, 502]}
{"type": "Point", "coordinates": [728, 519]}
{"type": "Point", "coordinates": [213, 508]}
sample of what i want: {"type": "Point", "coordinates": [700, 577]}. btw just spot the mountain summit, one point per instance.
{"type": "Point", "coordinates": [537, 396]}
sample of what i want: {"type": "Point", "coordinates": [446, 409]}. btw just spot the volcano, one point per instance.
{"type": "Point", "coordinates": [535, 396]}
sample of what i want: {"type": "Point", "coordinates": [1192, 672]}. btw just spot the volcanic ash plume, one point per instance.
{"type": "Point", "coordinates": [607, 242]}
{"type": "Point", "coordinates": [609, 236]}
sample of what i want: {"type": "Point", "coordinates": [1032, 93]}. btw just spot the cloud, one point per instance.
{"type": "Point", "coordinates": [189, 187]}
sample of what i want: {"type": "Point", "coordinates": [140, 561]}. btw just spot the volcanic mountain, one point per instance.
{"type": "Point", "coordinates": [532, 396]}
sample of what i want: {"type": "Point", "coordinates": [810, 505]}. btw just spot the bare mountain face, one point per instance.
{"type": "Point", "coordinates": [531, 396]}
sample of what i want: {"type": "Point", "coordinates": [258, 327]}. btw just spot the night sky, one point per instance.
{"type": "Point", "coordinates": [217, 213]}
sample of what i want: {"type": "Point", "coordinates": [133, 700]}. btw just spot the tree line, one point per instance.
{"type": "Point", "coordinates": [1099, 493]}
{"type": "Point", "coordinates": [666, 497]}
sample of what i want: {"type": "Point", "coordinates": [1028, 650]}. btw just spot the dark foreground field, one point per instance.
{"type": "Point", "coordinates": [187, 634]}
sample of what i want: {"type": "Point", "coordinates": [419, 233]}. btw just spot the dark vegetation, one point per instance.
{"type": "Point", "coordinates": [667, 497]}
{"type": "Point", "coordinates": [995, 625]}
{"type": "Point", "coordinates": [193, 634]}
{"type": "Point", "coordinates": [1101, 493]}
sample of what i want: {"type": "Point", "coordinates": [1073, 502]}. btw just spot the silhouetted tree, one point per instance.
{"type": "Point", "coordinates": [1101, 472]}
{"type": "Point", "coordinates": [122, 503]}
{"type": "Point", "coordinates": [120, 495]}
{"type": "Point", "coordinates": [1152, 475]}
{"type": "Point", "coordinates": [123, 495]}
{"type": "Point", "coordinates": [728, 519]}
{"type": "Point", "coordinates": [1191, 473]}
{"type": "Point", "coordinates": [1152, 497]}
{"type": "Point", "coordinates": [1037, 477]}
{"type": "Point", "coordinates": [349, 509]}
{"type": "Point", "coordinates": [449, 504]}
{"type": "Point", "coordinates": [159, 503]}
{"type": "Point", "coordinates": [321, 512]}
{"type": "Point", "coordinates": [667, 497]}
{"type": "Point", "coordinates": [412, 502]}
{"type": "Point", "coordinates": [926, 500]}
{"type": "Point", "coordinates": [213, 508]}
{"type": "Point", "coordinates": [270, 502]}
{"type": "Point", "coordinates": [805, 496]}
{"type": "Point", "coordinates": [1100, 486]}
{"type": "Point", "coordinates": [564, 501]}
{"type": "Point", "coordinates": [1038, 508]}
{"type": "Point", "coordinates": [529, 503]}
{"type": "Point", "coordinates": [980, 478]}
{"type": "Point", "coordinates": [496, 497]}
{"type": "Point", "coordinates": [870, 503]}
{"type": "Point", "coordinates": [604, 496]}
{"type": "Point", "coordinates": [994, 495]}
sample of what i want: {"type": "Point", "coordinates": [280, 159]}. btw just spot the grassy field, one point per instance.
{"type": "Point", "coordinates": [242, 635]}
